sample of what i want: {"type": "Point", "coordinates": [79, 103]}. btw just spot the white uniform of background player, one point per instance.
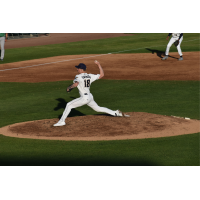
{"type": "Point", "coordinates": [175, 36]}
{"type": "Point", "coordinates": [83, 82]}
{"type": "Point", "coordinates": [3, 39]}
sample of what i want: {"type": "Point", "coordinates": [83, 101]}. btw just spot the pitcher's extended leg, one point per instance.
{"type": "Point", "coordinates": [97, 108]}
{"type": "Point", "coordinates": [72, 104]}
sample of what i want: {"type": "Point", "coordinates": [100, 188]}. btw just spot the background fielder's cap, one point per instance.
{"type": "Point", "coordinates": [81, 66]}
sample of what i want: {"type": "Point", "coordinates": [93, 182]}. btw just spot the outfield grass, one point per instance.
{"type": "Point", "coordinates": [170, 151]}
{"type": "Point", "coordinates": [137, 43]}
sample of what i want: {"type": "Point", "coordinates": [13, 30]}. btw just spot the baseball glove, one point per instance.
{"type": "Point", "coordinates": [69, 88]}
{"type": "Point", "coordinates": [176, 43]}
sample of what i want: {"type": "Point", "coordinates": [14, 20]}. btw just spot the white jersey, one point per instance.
{"type": "Point", "coordinates": [176, 35]}
{"type": "Point", "coordinates": [85, 80]}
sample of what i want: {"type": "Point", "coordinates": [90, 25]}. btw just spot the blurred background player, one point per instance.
{"type": "Point", "coordinates": [175, 36]}
{"type": "Point", "coordinates": [3, 39]}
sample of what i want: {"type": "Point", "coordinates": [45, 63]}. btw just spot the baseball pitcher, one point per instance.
{"type": "Point", "coordinates": [83, 82]}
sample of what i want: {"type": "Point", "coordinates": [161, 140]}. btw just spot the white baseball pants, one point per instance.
{"type": "Point", "coordinates": [85, 99]}
{"type": "Point", "coordinates": [2, 40]}
{"type": "Point", "coordinates": [172, 40]}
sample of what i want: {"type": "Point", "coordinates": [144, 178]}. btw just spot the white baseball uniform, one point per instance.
{"type": "Point", "coordinates": [175, 36]}
{"type": "Point", "coordinates": [2, 41]}
{"type": "Point", "coordinates": [85, 80]}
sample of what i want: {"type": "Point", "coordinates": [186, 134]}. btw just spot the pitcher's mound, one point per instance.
{"type": "Point", "coordinates": [104, 127]}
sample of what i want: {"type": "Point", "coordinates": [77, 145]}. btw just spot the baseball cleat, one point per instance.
{"type": "Point", "coordinates": [119, 113]}
{"type": "Point", "coordinates": [181, 58]}
{"type": "Point", "coordinates": [60, 124]}
{"type": "Point", "coordinates": [165, 58]}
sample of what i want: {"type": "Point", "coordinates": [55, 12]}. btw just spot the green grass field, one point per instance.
{"type": "Point", "coordinates": [173, 151]}
{"type": "Point", "coordinates": [137, 43]}
{"type": "Point", "coordinates": [32, 101]}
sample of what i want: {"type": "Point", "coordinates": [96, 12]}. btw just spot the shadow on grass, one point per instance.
{"type": "Point", "coordinates": [62, 104]}
{"type": "Point", "coordinates": [85, 161]}
{"type": "Point", "coordinates": [159, 53]}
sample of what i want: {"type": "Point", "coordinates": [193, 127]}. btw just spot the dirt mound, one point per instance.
{"type": "Point", "coordinates": [104, 127]}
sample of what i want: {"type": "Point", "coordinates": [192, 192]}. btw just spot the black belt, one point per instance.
{"type": "Point", "coordinates": [85, 93]}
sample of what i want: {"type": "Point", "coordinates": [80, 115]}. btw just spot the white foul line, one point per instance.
{"type": "Point", "coordinates": [83, 57]}
{"type": "Point", "coordinates": [51, 63]}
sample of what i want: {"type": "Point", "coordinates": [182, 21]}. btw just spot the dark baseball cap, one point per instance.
{"type": "Point", "coordinates": [81, 66]}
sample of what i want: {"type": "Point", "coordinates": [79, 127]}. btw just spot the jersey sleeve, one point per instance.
{"type": "Point", "coordinates": [94, 77]}
{"type": "Point", "coordinates": [77, 79]}
{"type": "Point", "coordinates": [180, 36]}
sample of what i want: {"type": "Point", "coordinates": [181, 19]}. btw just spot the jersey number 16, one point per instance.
{"type": "Point", "coordinates": [87, 82]}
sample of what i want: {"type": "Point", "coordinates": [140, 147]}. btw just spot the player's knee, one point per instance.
{"type": "Point", "coordinates": [70, 106]}
{"type": "Point", "coordinates": [168, 46]}
{"type": "Point", "coordinates": [97, 109]}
